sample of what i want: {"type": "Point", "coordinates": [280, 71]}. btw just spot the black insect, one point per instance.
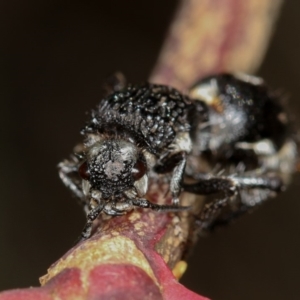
{"type": "Point", "coordinates": [249, 139]}
{"type": "Point", "coordinates": [232, 123]}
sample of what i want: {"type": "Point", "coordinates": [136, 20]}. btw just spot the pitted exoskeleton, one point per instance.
{"type": "Point", "coordinates": [140, 131]}
{"type": "Point", "coordinates": [136, 131]}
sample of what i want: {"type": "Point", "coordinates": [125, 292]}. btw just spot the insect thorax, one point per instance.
{"type": "Point", "coordinates": [150, 114]}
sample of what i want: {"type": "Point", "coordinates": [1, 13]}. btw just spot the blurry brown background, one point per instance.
{"type": "Point", "coordinates": [53, 57]}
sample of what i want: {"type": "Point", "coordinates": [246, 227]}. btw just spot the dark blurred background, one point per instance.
{"type": "Point", "coordinates": [54, 56]}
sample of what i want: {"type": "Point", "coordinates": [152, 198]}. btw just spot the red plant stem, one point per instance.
{"type": "Point", "coordinates": [215, 36]}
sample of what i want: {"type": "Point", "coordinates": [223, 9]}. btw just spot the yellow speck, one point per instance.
{"type": "Point", "coordinates": [134, 216]}
{"type": "Point", "coordinates": [138, 226]}
{"type": "Point", "coordinates": [179, 269]}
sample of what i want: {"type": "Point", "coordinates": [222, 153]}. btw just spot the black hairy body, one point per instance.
{"type": "Point", "coordinates": [233, 123]}
{"type": "Point", "coordinates": [152, 114]}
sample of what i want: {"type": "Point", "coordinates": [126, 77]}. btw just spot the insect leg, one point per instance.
{"type": "Point", "coordinates": [212, 186]}
{"type": "Point", "coordinates": [272, 183]}
{"type": "Point", "coordinates": [175, 184]}
{"type": "Point", "coordinates": [158, 207]}
{"type": "Point", "coordinates": [92, 215]}
{"type": "Point", "coordinates": [67, 170]}
{"type": "Point", "coordinates": [210, 212]}
{"type": "Point", "coordinates": [253, 190]}
{"type": "Point", "coordinates": [68, 173]}
{"type": "Point", "coordinates": [177, 163]}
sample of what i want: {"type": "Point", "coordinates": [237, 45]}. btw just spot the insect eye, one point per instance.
{"type": "Point", "coordinates": [139, 169]}
{"type": "Point", "coordinates": [83, 171]}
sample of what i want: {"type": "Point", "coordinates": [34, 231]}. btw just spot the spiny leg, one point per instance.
{"type": "Point", "coordinates": [246, 201]}
{"type": "Point", "coordinates": [68, 168]}
{"type": "Point", "coordinates": [249, 187]}
{"type": "Point", "coordinates": [175, 163]}
{"type": "Point", "coordinates": [158, 207]}
{"type": "Point", "coordinates": [212, 186]}
{"type": "Point", "coordinates": [213, 209]}
{"type": "Point", "coordinates": [210, 212]}
{"type": "Point", "coordinates": [68, 173]}
{"type": "Point", "coordinates": [92, 215]}
{"type": "Point", "coordinates": [175, 184]}
{"type": "Point", "coordinates": [271, 182]}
